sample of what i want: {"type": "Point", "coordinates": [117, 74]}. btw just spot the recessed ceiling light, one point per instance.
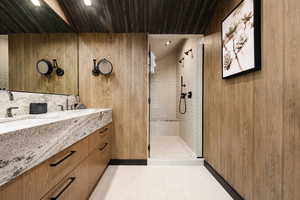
{"type": "Point", "coordinates": [36, 2]}
{"type": "Point", "coordinates": [87, 2]}
{"type": "Point", "coordinates": [168, 42]}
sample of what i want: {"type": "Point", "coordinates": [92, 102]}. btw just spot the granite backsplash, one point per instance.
{"type": "Point", "coordinates": [23, 99]}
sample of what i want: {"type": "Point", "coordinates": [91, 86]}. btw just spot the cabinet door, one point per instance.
{"type": "Point", "coordinates": [98, 162]}
{"type": "Point", "coordinates": [73, 187]}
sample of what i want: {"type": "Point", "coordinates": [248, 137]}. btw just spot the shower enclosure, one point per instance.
{"type": "Point", "coordinates": [176, 98]}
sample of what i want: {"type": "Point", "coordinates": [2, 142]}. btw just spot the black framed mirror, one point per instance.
{"type": "Point", "coordinates": [44, 67]}
{"type": "Point", "coordinates": [103, 67]}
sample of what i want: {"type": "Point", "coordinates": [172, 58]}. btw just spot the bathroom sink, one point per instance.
{"type": "Point", "coordinates": [2, 120]}
{"type": "Point", "coordinates": [5, 120]}
{"type": "Point", "coordinates": [29, 121]}
{"type": "Point", "coordinates": [50, 115]}
{"type": "Point", "coordinates": [20, 118]}
{"type": "Point", "coordinates": [20, 124]}
{"type": "Point", "coordinates": [28, 140]}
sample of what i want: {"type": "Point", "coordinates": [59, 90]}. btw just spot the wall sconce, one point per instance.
{"type": "Point", "coordinates": [45, 67]}
{"type": "Point", "coordinates": [59, 71]}
{"type": "Point", "coordinates": [103, 67]}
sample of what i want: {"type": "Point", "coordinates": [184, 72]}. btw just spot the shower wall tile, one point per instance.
{"type": "Point", "coordinates": [163, 89]}
{"type": "Point", "coordinates": [191, 122]}
{"type": "Point", "coordinates": [164, 128]}
{"type": "Point", "coordinates": [23, 99]}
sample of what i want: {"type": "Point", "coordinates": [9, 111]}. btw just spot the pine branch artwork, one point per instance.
{"type": "Point", "coordinates": [236, 37]}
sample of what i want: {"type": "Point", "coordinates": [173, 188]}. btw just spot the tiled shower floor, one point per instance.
{"type": "Point", "coordinates": [170, 148]}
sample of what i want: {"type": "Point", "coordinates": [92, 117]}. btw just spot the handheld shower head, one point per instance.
{"type": "Point", "coordinates": [182, 98]}
{"type": "Point", "coordinates": [182, 83]}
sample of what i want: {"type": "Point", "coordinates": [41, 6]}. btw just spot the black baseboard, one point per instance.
{"type": "Point", "coordinates": [231, 191]}
{"type": "Point", "coordinates": [127, 162]}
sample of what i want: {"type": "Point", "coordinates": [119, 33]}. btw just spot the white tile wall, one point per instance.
{"type": "Point", "coordinates": [164, 128]}
{"type": "Point", "coordinates": [163, 98]}
{"type": "Point", "coordinates": [163, 89]}
{"type": "Point", "coordinates": [191, 122]}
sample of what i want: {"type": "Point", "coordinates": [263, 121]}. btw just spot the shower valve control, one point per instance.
{"type": "Point", "coordinates": [190, 94]}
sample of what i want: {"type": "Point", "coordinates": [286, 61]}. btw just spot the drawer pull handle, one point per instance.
{"type": "Point", "coordinates": [103, 131]}
{"type": "Point", "coordinates": [104, 146]}
{"type": "Point", "coordinates": [71, 180]}
{"type": "Point", "coordinates": [62, 160]}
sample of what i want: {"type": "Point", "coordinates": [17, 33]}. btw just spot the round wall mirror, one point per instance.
{"type": "Point", "coordinates": [44, 67]}
{"type": "Point", "coordinates": [105, 67]}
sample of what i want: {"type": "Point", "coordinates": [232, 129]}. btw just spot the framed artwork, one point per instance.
{"type": "Point", "coordinates": [241, 39]}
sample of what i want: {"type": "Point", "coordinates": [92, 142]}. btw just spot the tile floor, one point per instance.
{"type": "Point", "coordinates": [170, 148]}
{"type": "Point", "coordinates": [158, 183]}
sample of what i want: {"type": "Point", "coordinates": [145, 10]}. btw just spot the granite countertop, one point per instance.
{"type": "Point", "coordinates": [29, 140]}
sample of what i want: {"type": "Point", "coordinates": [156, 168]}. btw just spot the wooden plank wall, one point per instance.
{"type": "Point", "coordinates": [26, 49]}
{"type": "Point", "coordinates": [252, 122]}
{"type": "Point", "coordinates": [125, 91]}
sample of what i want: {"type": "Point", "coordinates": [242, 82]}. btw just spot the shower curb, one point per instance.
{"type": "Point", "coordinates": [164, 162]}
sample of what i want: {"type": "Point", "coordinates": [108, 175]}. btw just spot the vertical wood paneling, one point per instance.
{"type": "Point", "coordinates": [268, 105]}
{"type": "Point", "coordinates": [24, 52]}
{"type": "Point", "coordinates": [215, 114]}
{"type": "Point", "coordinates": [212, 123]}
{"type": "Point", "coordinates": [251, 122]}
{"type": "Point", "coordinates": [291, 135]}
{"type": "Point", "coordinates": [125, 91]}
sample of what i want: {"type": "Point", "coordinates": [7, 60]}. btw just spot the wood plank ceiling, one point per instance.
{"type": "Point", "coordinates": [140, 16]}
{"type": "Point", "coordinates": [21, 16]}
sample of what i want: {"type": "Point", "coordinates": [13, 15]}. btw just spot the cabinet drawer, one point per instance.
{"type": "Point", "coordinates": [42, 178]}
{"type": "Point", "coordinates": [72, 187]}
{"type": "Point", "coordinates": [98, 162]}
{"type": "Point", "coordinates": [99, 136]}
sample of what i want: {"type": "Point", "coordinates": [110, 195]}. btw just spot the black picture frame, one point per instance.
{"type": "Point", "coordinates": [257, 39]}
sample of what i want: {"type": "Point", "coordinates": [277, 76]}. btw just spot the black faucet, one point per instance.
{"type": "Point", "coordinates": [8, 111]}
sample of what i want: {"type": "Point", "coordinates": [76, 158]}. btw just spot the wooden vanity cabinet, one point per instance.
{"type": "Point", "coordinates": [99, 136]}
{"type": "Point", "coordinates": [13, 190]}
{"type": "Point", "coordinates": [69, 175]}
{"type": "Point", "coordinates": [98, 162]}
{"type": "Point", "coordinates": [100, 146]}
{"type": "Point", "coordinates": [45, 176]}
{"type": "Point", "coordinates": [72, 187]}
